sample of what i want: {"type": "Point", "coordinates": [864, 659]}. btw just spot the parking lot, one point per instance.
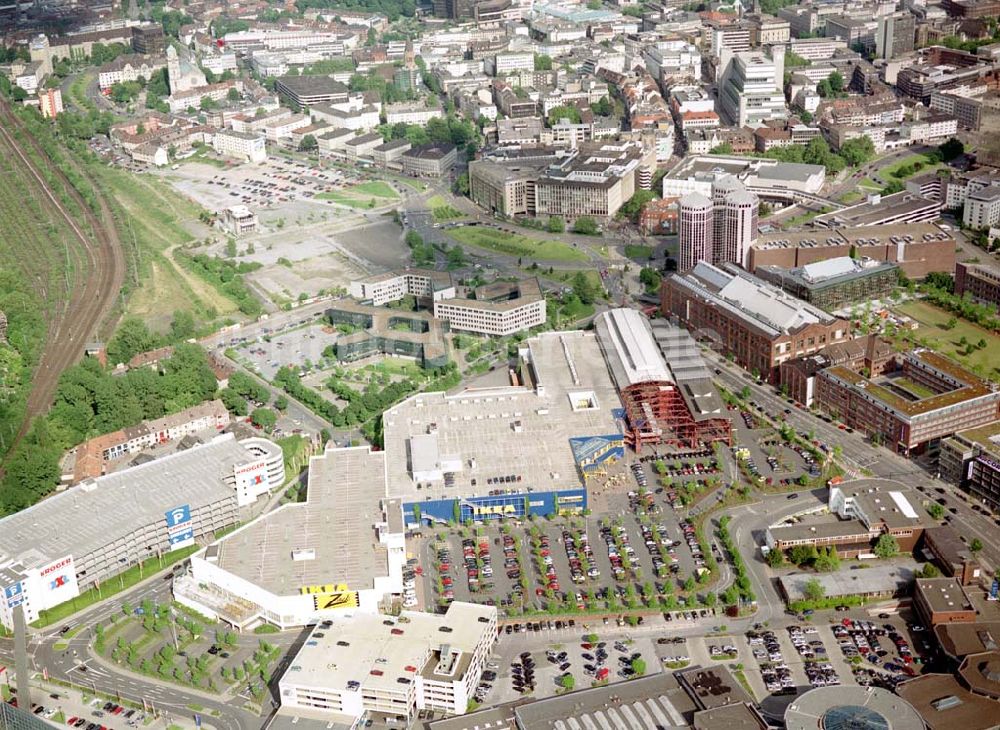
{"type": "Point", "coordinates": [640, 554]}
{"type": "Point", "coordinates": [578, 660]}
{"type": "Point", "coordinates": [296, 346]}
{"type": "Point", "coordinates": [762, 453]}
{"type": "Point", "coordinates": [273, 183]}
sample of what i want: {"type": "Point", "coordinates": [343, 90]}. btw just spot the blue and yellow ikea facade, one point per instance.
{"type": "Point", "coordinates": [591, 453]}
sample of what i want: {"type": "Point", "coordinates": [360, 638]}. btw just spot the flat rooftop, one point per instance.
{"type": "Point", "coordinates": [874, 213]}
{"type": "Point", "coordinates": [943, 594]}
{"type": "Point", "coordinates": [988, 437]}
{"type": "Point", "coordinates": [689, 370]}
{"type": "Point", "coordinates": [860, 236]}
{"type": "Point", "coordinates": [971, 385]}
{"type": "Point", "coordinates": [656, 702]}
{"type": "Point", "coordinates": [514, 430]}
{"type": "Point", "coordinates": [713, 687]}
{"type": "Point", "coordinates": [968, 637]}
{"type": "Point", "coordinates": [377, 650]}
{"type": "Point", "coordinates": [328, 539]}
{"type": "Point", "coordinates": [871, 580]}
{"type": "Point", "coordinates": [76, 521]}
{"type": "Point", "coordinates": [944, 704]}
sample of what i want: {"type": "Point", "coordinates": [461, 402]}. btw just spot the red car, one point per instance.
{"type": "Point", "coordinates": [71, 721]}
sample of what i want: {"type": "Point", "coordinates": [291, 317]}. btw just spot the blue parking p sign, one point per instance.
{"type": "Point", "coordinates": [14, 595]}
{"type": "Point", "coordinates": [178, 515]}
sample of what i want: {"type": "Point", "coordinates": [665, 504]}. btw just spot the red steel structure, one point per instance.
{"type": "Point", "coordinates": [656, 413]}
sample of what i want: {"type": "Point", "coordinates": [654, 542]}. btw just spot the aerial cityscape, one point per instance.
{"type": "Point", "coordinates": [500, 364]}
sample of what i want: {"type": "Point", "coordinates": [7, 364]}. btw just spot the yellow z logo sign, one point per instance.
{"type": "Point", "coordinates": [335, 601]}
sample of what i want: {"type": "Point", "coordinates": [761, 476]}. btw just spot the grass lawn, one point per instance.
{"type": "Point", "coordinates": [375, 187]}
{"type": "Point", "coordinates": [933, 322]}
{"type": "Point", "coordinates": [63, 643]}
{"type": "Point", "coordinates": [446, 213]}
{"type": "Point", "coordinates": [870, 184]}
{"type": "Point", "coordinates": [342, 199]}
{"type": "Point", "coordinates": [566, 275]}
{"type": "Point", "coordinates": [410, 182]}
{"type": "Point", "coordinates": [921, 391]}
{"type": "Point", "coordinates": [639, 253]}
{"type": "Point", "coordinates": [887, 172]}
{"type": "Point", "coordinates": [111, 586]}
{"type": "Point", "coordinates": [514, 244]}
{"type": "Point", "coordinates": [804, 218]}
{"type": "Point", "coordinates": [399, 366]}
{"type": "Point", "coordinates": [851, 197]}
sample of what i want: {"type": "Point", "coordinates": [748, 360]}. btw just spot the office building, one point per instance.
{"type": "Point", "coordinates": [942, 601]}
{"type": "Point", "coordinates": [496, 310]}
{"type": "Point", "coordinates": [981, 282]}
{"type": "Point", "coordinates": [696, 223]}
{"type": "Point", "coordinates": [894, 35]}
{"type": "Point", "coordinates": [429, 160]}
{"type": "Point", "coordinates": [971, 459]}
{"type": "Point", "coordinates": [757, 323]}
{"type": "Point", "coordinates": [834, 283]}
{"type": "Point", "coordinates": [751, 89]}
{"type": "Point", "coordinates": [860, 512]}
{"type": "Point", "coordinates": [910, 408]}
{"type": "Point", "coordinates": [394, 666]}
{"type": "Point", "coordinates": [56, 549]}
{"type": "Point", "coordinates": [739, 229]}
{"type": "Point", "coordinates": [426, 285]}
{"type": "Point", "coordinates": [241, 145]}
{"type": "Point", "coordinates": [303, 91]}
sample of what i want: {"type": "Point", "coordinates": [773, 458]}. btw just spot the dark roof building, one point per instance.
{"type": "Point", "coordinates": [308, 90]}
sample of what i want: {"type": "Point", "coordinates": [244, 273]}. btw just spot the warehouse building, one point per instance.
{"type": "Point", "coordinates": [341, 551]}
{"type": "Point", "coordinates": [391, 667]}
{"type": "Point", "coordinates": [757, 323]}
{"type": "Point", "coordinates": [872, 584]}
{"type": "Point", "coordinates": [663, 382]}
{"type": "Point", "coordinates": [910, 409]}
{"type": "Point", "coordinates": [72, 541]}
{"type": "Point", "coordinates": [510, 451]}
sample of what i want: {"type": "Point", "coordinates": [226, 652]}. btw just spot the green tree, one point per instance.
{"type": "Point", "coordinates": [814, 590]}
{"type": "Point", "coordinates": [602, 108]}
{"type": "Point", "coordinates": [264, 418]}
{"type": "Point", "coordinates": [584, 288]}
{"type": "Point", "coordinates": [976, 545]}
{"type": "Point", "coordinates": [556, 224]}
{"type": "Point", "coordinates": [233, 401]}
{"type": "Point", "coordinates": [633, 207]}
{"type": "Point", "coordinates": [565, 111]}
{"type": "Point", "coordinates": [543, 62]}
{"type": "Point", "coordinates": [585, 225]}
{"type": "Point", "coordinates": [281, 403]}
{"type": "Point", "coordinates": [650, 279]}
{"type": "Point", "coordinates": [567, 681]}
{"type": "Point", "coordinates": [935, 510]}
{"type": "Point", "coordinates": [775, 558]}
{"type": "Point", "coordinates": [639, 666]}
{"type": "Point", "coordinates": [886, 546]}
{"type": "Point", "coordinates": [930, 571]}
{"type": "Point", "coordinates": [951, 149]}
{"type": "Point", "coordinates": [308, 143]}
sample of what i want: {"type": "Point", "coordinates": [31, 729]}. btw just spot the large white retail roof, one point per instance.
{"type": "Point", "coordinates": [626, 339]}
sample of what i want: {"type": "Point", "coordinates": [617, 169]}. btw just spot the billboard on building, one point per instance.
{"type": "Point", "coordinates": [180, 529]}
{"type": "Point", "coordinates": [58, 580]}
{"type": "Point", "coordinates": [331, 597]}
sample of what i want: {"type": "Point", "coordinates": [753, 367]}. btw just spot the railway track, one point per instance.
{"type": "Point", "coordinates": [99, 269]}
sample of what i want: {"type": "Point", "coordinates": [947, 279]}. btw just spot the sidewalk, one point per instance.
{"type": "Point", "coordinates": [73, 703]}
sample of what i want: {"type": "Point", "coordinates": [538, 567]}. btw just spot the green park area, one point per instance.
{"type": "Point", "coordinates": [442, 211]}
{"type": "Point", "coordinates": [364, 195]}
{"type": "Point", "coordinates": [908, 166]}
{"type": "Point", "coordinates": [936, 331]}
{"type": "Point", "coordinates": [514, 244]}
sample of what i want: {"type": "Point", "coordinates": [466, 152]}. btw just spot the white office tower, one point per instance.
{"type": "Point", "coordinates": [740, 227]}
{"type": "Point", "coordinates": [695, 231]}
{"type": "Point", "coordinates": [752, 88]}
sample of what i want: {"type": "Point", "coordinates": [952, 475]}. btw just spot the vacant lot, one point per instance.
{"type": "Point", "coordinates": [934, 327]}
{"type": "Point", "coordinates": [514, 244]}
